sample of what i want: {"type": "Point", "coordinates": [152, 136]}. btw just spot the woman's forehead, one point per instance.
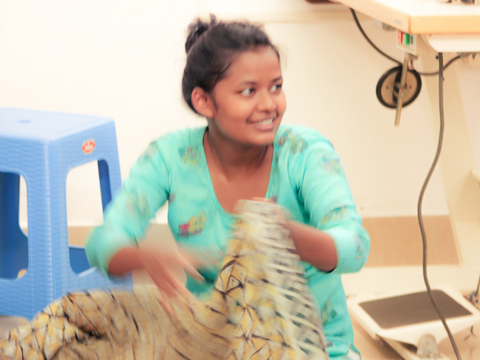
{"type": "Point", "coordinates": [253, 65]}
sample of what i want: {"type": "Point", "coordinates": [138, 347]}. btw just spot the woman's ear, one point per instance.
{"type": "Point", "coordinates": [203, 103]}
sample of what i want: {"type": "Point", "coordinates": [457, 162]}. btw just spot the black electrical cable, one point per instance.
{"type": "Point", "coordinates": [369, 41]}
{"type": "Point", "coordinates": [446, 66]}
{"type": "Point", "coordinates": [420, 200]}
{"type": "Point", "coordinates": [388, 56]}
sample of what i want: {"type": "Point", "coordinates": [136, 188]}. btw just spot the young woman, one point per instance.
{"type": "Point", "coordinates": [233, 78]}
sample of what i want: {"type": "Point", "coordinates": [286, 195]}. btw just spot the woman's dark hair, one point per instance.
{"type": "Point", "coordinates": [211, 49]}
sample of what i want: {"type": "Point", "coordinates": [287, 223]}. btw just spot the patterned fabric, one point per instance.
{"type": "Point", "coordinates": [261, 308]}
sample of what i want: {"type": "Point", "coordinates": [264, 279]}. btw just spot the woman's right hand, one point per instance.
{"type": "Point", "coordinates": [164, 268]}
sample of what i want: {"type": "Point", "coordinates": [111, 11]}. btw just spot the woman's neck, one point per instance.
{"type": "Point", "coordinates": [234, 159]}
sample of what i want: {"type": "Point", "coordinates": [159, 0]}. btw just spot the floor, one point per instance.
{"type": "Point", "coordinates": [467, 343]}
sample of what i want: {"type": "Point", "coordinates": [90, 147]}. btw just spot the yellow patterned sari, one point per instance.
{"type": "Point", "coordinates": [260, 309]}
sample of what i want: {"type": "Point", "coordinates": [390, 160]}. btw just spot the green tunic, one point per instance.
{"type": "Point", "coordinates": [306, 178]}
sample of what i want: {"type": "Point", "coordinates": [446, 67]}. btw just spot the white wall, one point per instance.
{"type": "Point", "coordinates": [124, 60]}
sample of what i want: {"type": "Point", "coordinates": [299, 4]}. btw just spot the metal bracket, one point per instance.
{"type": "Point", "coordinates": [402, 88]}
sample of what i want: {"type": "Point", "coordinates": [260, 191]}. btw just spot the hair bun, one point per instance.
{"type": "Point", "coordinates": [196, 29]}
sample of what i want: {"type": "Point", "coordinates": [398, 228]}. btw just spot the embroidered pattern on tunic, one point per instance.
{"type": "Point", "coordinates": [332, 165]}
{"type": "Point", "coordinates": [194, 226]}
{"type": "Point", "coordinates": [151, 150]}
{"type": "Point", "coordinates": [190, 156]}
{"type": "Point", "coordinates": [335, 215]}
{"type": "Point", "coordinates": [360, 254]}
{"type": "Point", "coordinates": [297, 144]}
{"type": "Point", "coordinates": [328, 312]}
{"type": "Point", "coordinates": [138, 205]}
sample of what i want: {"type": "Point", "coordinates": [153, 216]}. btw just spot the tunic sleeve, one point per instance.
{"type": "Point", "coordinates": [322, 187]}
{"type": "Point", "coordinates": [127, 216]}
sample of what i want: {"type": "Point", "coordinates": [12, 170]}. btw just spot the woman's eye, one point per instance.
{"type": "Point", "coordinates": [276, 87]}
{"type": "Point", "coordinates": [247, 92]}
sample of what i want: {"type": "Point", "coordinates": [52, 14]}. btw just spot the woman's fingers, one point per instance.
{"type": "Point", "coordinates": [165, 283]}
{"type": "Point", "coordinates": [201, 258]}
{"type": "Point", "coordinates": [164, 269]}
{"type": "Point", "coordinates": [165, 303]}
{"type": "Point", "coordinates": [196, 260]}
{"type": "Point", "coordinates": [189, 268]}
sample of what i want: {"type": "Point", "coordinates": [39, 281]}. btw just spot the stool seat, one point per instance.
{"type": "Point", "coordinates": [43, 147]}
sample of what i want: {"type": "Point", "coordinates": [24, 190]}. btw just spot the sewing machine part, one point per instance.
{"type": "Point", "coordinates": [466, 2]}
{"type": "Point", "coordinates": [410, 309]}
{"type": "Point", "coordinates": [390, 88]}
{"type": "Point", "coordinates": [408, 322]}
{"type": "Point", "coordinates": [427, 348]}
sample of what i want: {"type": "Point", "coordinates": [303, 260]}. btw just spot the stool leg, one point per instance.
{"type": "Point", "coordinates": [13, 241]}
{"type": "Point", "coordinates": [78, 257]}
{"type": "Point", "coordinates": [105, 187]}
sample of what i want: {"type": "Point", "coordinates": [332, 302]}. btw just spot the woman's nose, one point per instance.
{"type": "Point", "coordinates": [266, 102]}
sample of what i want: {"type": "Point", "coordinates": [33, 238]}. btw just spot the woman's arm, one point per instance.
{"type": "Point", "coordinates": [128, 215]}
{"type": "Point", "coordinates": [313, 246]}
{"type": "Point", "coordinates": [335, 240]}
{"type": "Point", "coordinates": [125, 261]}
{"type": "Point", "coordinates": [164, 267]}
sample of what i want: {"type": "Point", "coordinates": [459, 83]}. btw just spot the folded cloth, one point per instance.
{"type": "Point", "coordinates": [261, 309]}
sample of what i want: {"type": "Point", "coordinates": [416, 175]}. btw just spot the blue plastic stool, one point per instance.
{"type": "Point", "coordinates": [43, 147]}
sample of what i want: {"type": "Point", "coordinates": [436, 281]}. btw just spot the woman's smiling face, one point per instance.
{"type": "Point", "coordinates": [249, 102]}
